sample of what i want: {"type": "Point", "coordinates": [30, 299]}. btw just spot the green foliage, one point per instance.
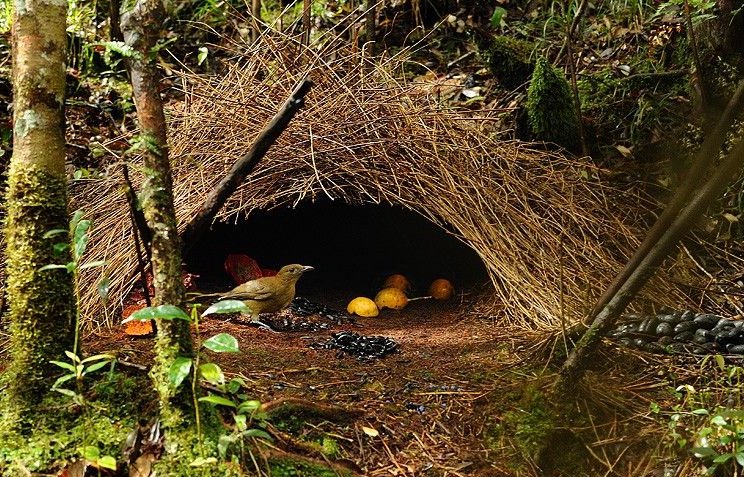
{"type": "Point", "coordinates": [60, 435]}
{"type": "Point", "coordinates": [509, 60]}
{"type": "Point", "coordinates": [698, 425]}
{"type": "Point", "coordinates": [550, 110]}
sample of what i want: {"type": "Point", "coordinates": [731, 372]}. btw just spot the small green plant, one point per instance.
{"type": "Point", "coordinates": [78, 368]}
{"type": "Point", "coordinates": [77, 243]}
{"type": "Point", "coordinates": [712, 433]}
{"type": "Point", "coordinates": [244, 410]}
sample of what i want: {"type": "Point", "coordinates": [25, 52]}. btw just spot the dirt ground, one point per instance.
{"type": "Point", "coordinates": [430, 402]}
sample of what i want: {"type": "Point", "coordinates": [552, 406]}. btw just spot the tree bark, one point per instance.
{"type": "Point", "coordinates": [42, 307]}
{"type": "Point", "coordinates": [140, 26]}
{"type": "Point", "coordinates": [370, 26]}
{"type": "Point", "coordinates": [256, 11]}
{"type": "Point", "coordinates": [307, 4]}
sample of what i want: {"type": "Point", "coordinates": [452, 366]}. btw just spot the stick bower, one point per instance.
{"type": "Point", "coordinates": [550, 233]}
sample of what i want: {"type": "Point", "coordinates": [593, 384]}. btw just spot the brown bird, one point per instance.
{"type": "Point", "coordinates": [268, 294]}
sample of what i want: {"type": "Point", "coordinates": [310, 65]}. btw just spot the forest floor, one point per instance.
{"type": "Point", "coordinates": [449, 403]}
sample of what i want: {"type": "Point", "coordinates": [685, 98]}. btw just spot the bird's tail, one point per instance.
{"type": "Point", "coordinates": [195, 296]}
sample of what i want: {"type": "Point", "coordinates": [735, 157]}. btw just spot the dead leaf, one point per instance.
{"type": "Point", "coordinates": [370, 431]}
{"type": "Point", "coordinates": [626, 152]}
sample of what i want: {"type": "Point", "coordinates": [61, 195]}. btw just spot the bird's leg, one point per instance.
{"type": "Point", "coordinates": [263, 326]}
{"type": "Point", "coordinates": [260, 324]}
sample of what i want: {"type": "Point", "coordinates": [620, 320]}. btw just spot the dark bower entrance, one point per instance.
{"type": "Point", "coordinates": [353, 249]}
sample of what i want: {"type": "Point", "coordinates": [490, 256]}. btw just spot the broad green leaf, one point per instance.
{"type": "Point", "coordinates": [107, 462]}
{"type": "Point", "coordinates": [76, 216]}
{"type": "Point", "coordinates": [718, 420]}
{"type": "Point", "coordinates": [723, 458]}
{"type": "Point", "coordinates": [249, 406]}
{"type": "Point", "coordinates": [60, 247]}
{"type": "Point", "coordinates": [257, 433]}
{"type": "Point", "coordinates": [179, 370]}
{"type": "Point", "coordinates": [241, 422]}
{"type": "Point", "coordinates": [224, 444]}
{"type": "Point", "coordinates": [203, 53]}
{"type": "Point", "coordinates": [212, 373]}
{"type": "Point", "coordinates": [53, 266]}
{"type": "Point", "coordinates": [66, 392]}
{"type": "Point", "coordinates": [227, 306]}
{"type": "Point", "coordinates": [498, 15]}
{"type": "Point", "coordinates": [73, 357]}
{"type": "Point", "coordinates": [91, 453]}
{"type": "Point", "coordinates": [98, 357]}
{"type": "Point", "coordinates": [720, 362]}
{"type": "Point", "coordinates": [80, 239]}
{"type": "Point", "coordinates": [54, 233]}
{"type": "Point", "coordinates": [703, 452]}
{"type": "Point", "coordinates": [62, 379]}
{"type": "Point", "coordinates": [97, 263]}
{"type": "Point", "coordinates": [63, 365]}
{"type": "Point", "coordinates": [222, 343]}
{"type": "Point", "coordinates": [234, 385]}
{"type": "Point", "coordinates": [96, 366]}
{"type": "Point", "coordinates": [217, 400]}
{"type": "Point", "coordinates": [104, 288]}
{"type": "Point", "coordinates": [700, 412]}
{"type": "Point", "coordinates": [740, 458]}
{"type": "Point", "coordinates": [164, 312]}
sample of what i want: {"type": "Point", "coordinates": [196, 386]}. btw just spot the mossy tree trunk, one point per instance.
{"type": "Point", "coordinates": [140, 26]}
{"type": "Point", "coordinates": [41, 303]}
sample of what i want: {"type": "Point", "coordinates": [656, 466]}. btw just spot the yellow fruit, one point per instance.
{"type": "Point", "coordinates": [391, 298]}
{"type": "Point", "coordinates": [398, 281]}
{"type": "Point", "coordinates": [362, 306]}
{"type": "Point", "coordinates": [441, 289]}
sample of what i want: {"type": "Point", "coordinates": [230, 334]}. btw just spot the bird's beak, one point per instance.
{"type": "Point", "coordinates": [307, 268]}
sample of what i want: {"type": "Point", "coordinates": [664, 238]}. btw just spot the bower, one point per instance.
{"type": "Point", "coordinates": [544, 231]}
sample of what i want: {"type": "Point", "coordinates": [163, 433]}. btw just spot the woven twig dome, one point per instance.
{"type": "Point", "coordinates": [550, 233]}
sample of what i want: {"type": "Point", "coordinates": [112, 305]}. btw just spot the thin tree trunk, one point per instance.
{"type": "Point", "coordinates": [307, 4]}
{"type": "Point", "coordinates": [141, 31]}
{"type": "Point", "coordinates": [115, 33]}
{"type": "Point", "coordinates": [370, 26]}
{"type": "Point", "coordinates": [41, 303]}
{"type": "Point", "coordinates": [256, 11]}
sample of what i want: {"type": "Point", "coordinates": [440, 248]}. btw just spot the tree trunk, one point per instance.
{"type": "Point", "coordinates": [370, 26]}
{"type": "Point", "coordinates": [306, 26]}
{"type": "Point", "coordinates": [41, 303]}
{"type": "Point", "coordinates": [140, 26]}
{"type": "Point", "coordinates": [256, 11]}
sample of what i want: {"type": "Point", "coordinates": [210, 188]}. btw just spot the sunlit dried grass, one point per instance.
{"type": "Point", "coordinates": [549, 231]}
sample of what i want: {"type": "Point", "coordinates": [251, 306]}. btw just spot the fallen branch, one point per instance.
{"type": "Point", "coordinates": [244, 166]}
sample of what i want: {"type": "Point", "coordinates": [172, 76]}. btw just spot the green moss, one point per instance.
{"type": "Point", "coordinates": [41, 303]}
{"type": "Point", "coordinates": [61, 429]}
{"type": "Point", "coordinates": [509, 60]}
{"type": "Point", "coordinates": [550, 109]}
{"type": "Point", "coordinates": [295, 467]}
